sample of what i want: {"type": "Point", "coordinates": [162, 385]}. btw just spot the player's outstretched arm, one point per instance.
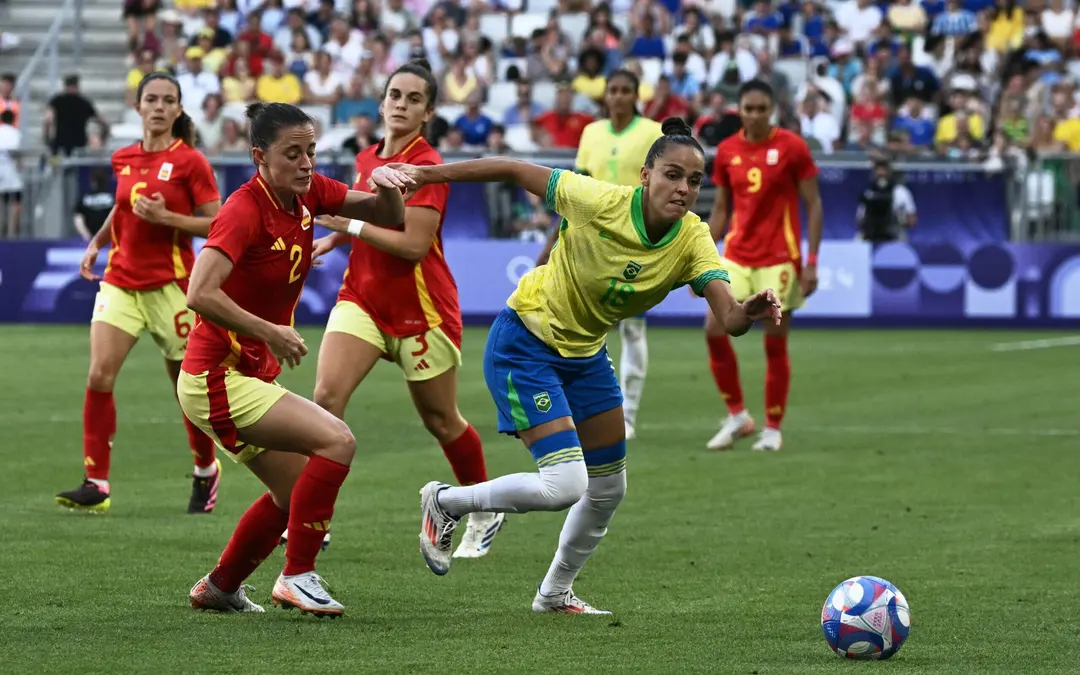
{"type": "Point", "coordinates": [531, 177]}
{"type": "Point", "coordinates": [387, 205]}
{"type": "Point", "coordinates": [737, 317]}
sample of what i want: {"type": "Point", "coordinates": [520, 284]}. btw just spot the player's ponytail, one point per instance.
{"type": "Point", "coordinates": [184, 129]}
{"type": "Point", "coordinates": [676, 132]}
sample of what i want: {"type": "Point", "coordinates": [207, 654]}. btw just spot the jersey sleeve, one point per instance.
{"type": "Point", "coordinates": [703, 261]}
{"type": "Point", "coordinates": [328, 194]}
{"type": "Point", "coordinates": [201, 182]}
{"type": "Point", "coordinates": [434, 195]}
{"type": "Point", "coordinates": [235, 228]}
{"type": "Point", "coordinates": [803, 163]}
{"type": "Point", "coordinates": [579, 199]}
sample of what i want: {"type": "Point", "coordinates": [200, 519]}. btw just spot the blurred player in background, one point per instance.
{"type": "Point", "coordinates": [165, 195]}
{"type": "Point", "coordinates": [760, 173]}
{"type": "Point", "coordinates": [399, 301]}
{"type": "Point", "coordinates": [621, 251]}
{"type": "Point", "coordinates": [245, 287]}
{"type": "Point", "coordinates": [613, 151]}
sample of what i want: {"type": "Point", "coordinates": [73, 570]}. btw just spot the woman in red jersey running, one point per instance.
{"type": "Point", "coordinates": [760, 173]}
{"type": "Point", "coordinates": [165, 194]}
{"type": "Point", "coordinates": [399, 301]}
{"type": "Point", "coordinates": [245, 288]}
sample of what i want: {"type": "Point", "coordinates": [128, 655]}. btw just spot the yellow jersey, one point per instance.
{"type": "Point", "coordinates": [616, 157]}
{"type": "Point", "coordinates": [605, 268]}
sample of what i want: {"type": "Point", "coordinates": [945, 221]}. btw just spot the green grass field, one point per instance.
{"type": "Point", "coordinates": [923, 457]}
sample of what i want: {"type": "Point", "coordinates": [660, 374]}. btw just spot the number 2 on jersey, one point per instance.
{"type": "Point", "coordinates": [753, 175]}
{"type": "Point", "coordinates": [617, 294]}
{"type": "Point", "coordinates": [296, 255]}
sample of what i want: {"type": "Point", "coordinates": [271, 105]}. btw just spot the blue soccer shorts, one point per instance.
{"type": "Point", "coordinates": [532, 384]}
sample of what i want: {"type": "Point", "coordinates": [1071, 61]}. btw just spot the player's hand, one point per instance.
{"type": "Point", "coordinates": [763, 306]}
{"type": "Point", "coordinates": [286, 345]}
{"type": "Point", "coordinates": [89, 259]}
{"type": "Point", "coordinates": [151, 209]}
{"type": "Point", "coordinates": [321, 247]}
{"type": "Point", "coordinates": [808, 280]}
{"type": "Point", "coordinates": [390, 176]}
{"type": "Point", "coordinates": [335, 223]}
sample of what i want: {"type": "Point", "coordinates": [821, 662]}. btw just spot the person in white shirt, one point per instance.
{"type": "Point", "coordinates": [859, 19]}
{"type": "Point", "coordinates": [323, 85]}
{"type": "Point", "coordinates": [295, 21]}
{"type": "Point", "coordinates": [744, 59]}
{"type": "Point", "coordinates": [345, 45]}
{"type": "Point", "coordinates": [197, 83]}
{"type": "Point", "coordinates": [815, 121]}
{"type": "Point", "coordinates": [1057, 21]}
{"type": "Point", "coordinates": [11, 182]}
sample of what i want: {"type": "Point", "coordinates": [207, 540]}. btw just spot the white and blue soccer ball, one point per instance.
{"type": "Point", "coordinates": [866, 618]}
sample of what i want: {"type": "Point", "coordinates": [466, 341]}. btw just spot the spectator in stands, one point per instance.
{"type": "Point", "coordinates": [299, 57]}
{"type": "Point", "coordinates": [729, 55]}
{"type": "Point", "coordinates": [910, 80]}
{"type": "Point", "coordinates": [295, 21]}
{"type": "Point", "coordinates": [916, 123]}
{"type": "Point", "coordinates": [858, 19]}
{"type": "Point", "coordinates": [779, 82]}
{"type": "Point", "coordinates": [233, 138]}
{"type": "Point", "coordinates": [440, 38]}
{"type": "Point", "coordinates": [197, 83]}
{"type": "Point", "coordinates": [474, 125]}
{"type": "Point", "coordinates": [562, 126]}
{"type": "Point", "coordinates": [1006, 30]}
{"type": "Point", "coordinates": [66, 118]}
{"type": "Point", "coordinates": [363, 137]}
{"type": "Point", "coordinates": [171, 42]}
{"type": "Point", "coordinates": [907, 17]}
{"type": "Point", "coordinates": [261, 42]}
{"type": "Point", "coordinates": [345, 46]}
{"type": "Point", "coordinates": [590, 81]}
{"type": "Point", "coordinates": [452, 141]}
{"type": "Point", "coordinates": [212, 21]}
{"type": "Point", "coordinates": [11, 182]}
{"type": "Point", "coordinates": [191, 13]}
{"type": "Point", "coordinates": [383, 64]}
{"type": "Point", "coordinates": [683, 83]}
{"type": "Point", "coordinates": [323, 85]}
{"type": "Point", "coordinates": [869, 111]}
{"type": "Point", "coordinates": [1012, 123]}
{"type": "Point", "coordinates": [359, 98]}
{"type": "Point", "coordinates": [647, 43]}
{"type": "Point", "coordinates": [139, 16]}
{"type": "Point", "coordinates": [609, 36]}
{"type": "Point", "coordinates": [955, 21]}
{"type": "Point", "coordinates": [7, 92]}
{"type": "Point", "coordinates": [277, 85]}
{"type": "Point", "coordinates": [696, 66]}
{"type": "Point", "coordinates": [239, 87]}
{"type": "Point", "coordinates": [211, 123]}
{"type": "Point", "coordinates": [214, 58]}
{"type": "Point", "coordinates": [94, 205]}
{"type": "Point", "coordinates": [525, 110]}
{"type": "Point", "coordinates": [364, 17]}
{"type": "Point", "coordinates": [959, 121]}
{"type": "Point", "coordinates": [271, 17]}
{"type": "Point", "coordinates": [459, 85]}
{"type": "Point", "coordinates": [1057, 22]}
{"type": "Point", "coordinates": [322, 17]}
{"type": "Point", "coordinates": [395, 18]}
{"type": "Point", "coordinates": [665, 103]}
{"type": "Point", "coordinates": [873, 76]}
{"type": "Point", "coordinates": [143, 67]}
{"type": "Point", "coordinates": [817, 122]}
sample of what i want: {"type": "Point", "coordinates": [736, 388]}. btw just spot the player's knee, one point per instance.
{"type": "Point", "coordinates": [607, 492]}
{"type": "Point", "coordinates": [101, 378]}
{"type": "Point", "coordinates": [444, 425]}
{"type": "Point", "coordinates": [330, 399]}
{"type": "Point", "coordinates": [564, 485]}
{"type": "Point", "coordinates": [340, 445]}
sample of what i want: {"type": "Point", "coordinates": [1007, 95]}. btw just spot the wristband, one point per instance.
{"type": "Point", "coordinates": [810, 259]}
{"type": "Point", "coordinates": [356, 227]}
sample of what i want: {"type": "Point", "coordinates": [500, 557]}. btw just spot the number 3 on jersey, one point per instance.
{"type": "Point", "coordinates": [617, 294]}
{"type": "Point", "coordinates": [296, 255]}
{"type": "Point", "coordinates": [753, 176]}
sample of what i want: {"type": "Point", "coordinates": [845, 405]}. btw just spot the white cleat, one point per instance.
{"type": "Point", "coordinates": [563, 603]}
{"type": "Point", "coordinates": [630, 433]}
{"type": "Point", "coordinates": [768, 441]}
{"type": "Point", "coordinates": [205, 595]}
{"type": "Point", "coordinates": [479, 534]}
{"type": "Point", "coordinates": [306, 592]}
{"type": "Point", "coordinates": [285, 540]}
{"type": "Point", "coordinates": [436, 529]}
{"type": "Point", "coordinates": [733, 428]}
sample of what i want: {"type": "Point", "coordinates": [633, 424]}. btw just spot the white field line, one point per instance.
{"type": "Point", "coordinates": [1028, 345]}
{"type": "Point", "coordinates": [895, 430]}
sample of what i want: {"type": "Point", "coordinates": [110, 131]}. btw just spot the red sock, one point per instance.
{"type": "Point", "coordinates": [777, 379]}
{"type": "Point", "coordinates": [99, 427]}
{"type": "Point", "coordinates": [253, 540]}
{"type": "Point", "coordinates": [310, 510]}
{"type": "Point", "coordinates": [201, 445]}
{"type": "Point", "coordinates": [725, 371]}
{"type": "Point", "coordinates": [466, 455]}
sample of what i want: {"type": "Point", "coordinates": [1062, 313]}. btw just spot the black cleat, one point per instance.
{"type": "Point", "coordinates": [87, 497]}
{"type": "Point", "coordinates": [204, 491]}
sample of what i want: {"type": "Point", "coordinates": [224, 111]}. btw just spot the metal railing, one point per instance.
{"type": "Point", "coordinates": [48, 53]}
{"type": "Point", "coordinates": [1045, 199]}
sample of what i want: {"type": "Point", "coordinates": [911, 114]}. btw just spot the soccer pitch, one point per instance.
{"type": "Point", "coordinates": [927, 458]}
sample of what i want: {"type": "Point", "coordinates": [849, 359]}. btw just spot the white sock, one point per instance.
{"type": "Point", "coordinates": [633, 364]}
{"type": "Point", "coordinates": [553, 489]}
{"type": "Point", "coordinates": [101, 483]}
{"type": "Point", "coordinates": [585, 526]}
{"type": "Point", "coordinates": [205, 472]}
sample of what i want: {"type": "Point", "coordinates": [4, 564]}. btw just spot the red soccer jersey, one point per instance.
{"type": "Point", "coordinates": [270, 248]}
{"type": "Point", "coordinates": [143, 255]}
{"type": "Point", "coordinates": [565, 130]}
{"type": "Point", "coordinates": [763, 179]}
{"type": "Point", "coordinates": [404, 298]}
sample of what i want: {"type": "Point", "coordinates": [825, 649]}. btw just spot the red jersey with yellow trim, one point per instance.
{"type": "Point", "coordinates": [270, 248]}
{"type": "Point", "coordinates": [763, 179]}
{"type": "Point", "coordinates": [402, 297]}
{"type": "Point", "coordinates": [143, 255]}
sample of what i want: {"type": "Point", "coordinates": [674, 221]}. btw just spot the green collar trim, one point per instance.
{"type": "Point", "coordinates": [637, 216]}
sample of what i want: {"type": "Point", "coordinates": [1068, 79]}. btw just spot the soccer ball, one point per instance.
{"type": "Point", "coordinates": [866, 618]}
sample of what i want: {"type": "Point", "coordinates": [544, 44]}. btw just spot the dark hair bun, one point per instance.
{"type": "Point", "coordinates": [254, 109]}
{"type": "Point", "coordinates": [675, 126]}
{"type": "Point", "coordinates": [421, 63]}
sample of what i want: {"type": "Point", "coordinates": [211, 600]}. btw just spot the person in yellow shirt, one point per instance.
{"type": "Point", "coordinates": [278, 86]}
{"type": "Point", "coordinates": [623, 249]}
{"type": "Point", "coordinates": [135, 76]}
{"type": "Point", "coordinates": [1067, 131]}
{"type": "Point", "coordinates": [1006, 30]}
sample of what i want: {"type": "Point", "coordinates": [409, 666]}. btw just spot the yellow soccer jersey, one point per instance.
{"type": "Point", "coordinates": [616, 158]}
{"type": "Point", "coordinates": [605, 269]}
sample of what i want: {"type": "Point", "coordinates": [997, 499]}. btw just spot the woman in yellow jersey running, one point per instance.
{"type": "Point", "coordinates": [613, 150]}
{"type": "Point", "coordinates": [621, 251]}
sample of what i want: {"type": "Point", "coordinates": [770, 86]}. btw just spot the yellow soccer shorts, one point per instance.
{"type": "Point", "coordinates": [162, 311]}
{"type": "Point", "coordinates": [783, 279]}
{"type": "Point", "coordinates": [420, 357]}
{"type": "Point", "coordinates": [222, 401]}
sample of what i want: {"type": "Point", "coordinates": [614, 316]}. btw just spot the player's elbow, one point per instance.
{"type": "Point", "coordinates": [415, 252]}
{"type": "Point", "coordinates": [196, 298]}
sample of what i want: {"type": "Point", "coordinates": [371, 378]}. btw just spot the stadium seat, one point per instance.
{"type": "Point", "coordinates": [502, 95]}
{"type": "Point", "coordinates": [495, 27]}
{"type": "Point", "coordinates": [523, 25]}
{"type": "Point", "coordinates": [794, 69]}
{"type": "Point", "coordinates": [651, 70]}
{"type": "Point", "coordinates": [505, 64]}
{"type": "Point", "coordinates": [332, 138]}
{"type": "Point", "coordinates": [542, 7]}
{"type": "Point", "coordinates": [450, 112]}
{"type": "Point", "coordinates": [125, 133]}
{"type": "Point", "coordinates": [544, 94]}
{"type": "Point", "coordinates": [574, 27]}
{"type": "Point", "coordinates": [322, 114]}
{"type": "Point", "coordinates": [519, 138]}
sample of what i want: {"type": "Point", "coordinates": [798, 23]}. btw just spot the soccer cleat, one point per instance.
{"type": "Point", "coordinates": [733, 428]}
{"type": "Point", "coordinates": [479, 534]}
{"type": "Point", "coordinates": [204, 491]}
{"type": "Point", "coordinates": [768, 441]}
{"type": "Point", "coordinates": [629, 429]}
{"type": "Point", "coordinates": [285, 540]}
{"type": "Point", "coordinates": [436, 529]}
{"type": "Point", "coordinates": [87, 497]}
{"type": "Point", "coordinates": [206, 596]}
{"type": "Point", "coordinates": [306, 592]}
{"type": "Point", "coordinates": [563, 603]}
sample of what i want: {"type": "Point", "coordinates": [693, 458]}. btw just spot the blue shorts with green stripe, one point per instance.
{"type": "Point", "coordinates": [532, 383]}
